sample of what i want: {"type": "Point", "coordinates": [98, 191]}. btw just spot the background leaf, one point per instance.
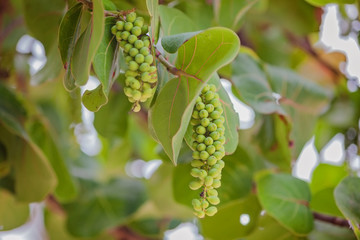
{"type": "Point", "coordinates": [69, 32]}
{"type": "Point", "coordinates": [87, 45]}
{"type": "Point", "coordinates": [12, 213]}
{"type": "Point", "coordinates": [347, 198]}
{"type": "Point", "coordinates": [286, 199]}
{"type": "Point", "coordinates": [153, 9]}
{"type": "Point", "coordinates": [200, 56]}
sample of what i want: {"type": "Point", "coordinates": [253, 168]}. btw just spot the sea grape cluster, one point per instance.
{"type": "Point", "coordinates": [141, 74]}
{"type": "Point", "coordinates": [208, 145]}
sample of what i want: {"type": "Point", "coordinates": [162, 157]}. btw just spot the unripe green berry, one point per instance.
{"type": "Point", "coordinates": [218, 155]}
{"type": "Point", "coordinates": [215, 114]}
{"type": "Point", "coordinates": [200, 214]}
{"type": "Point", "coordinates": [139, 44]}
{"type": "Point", "coordinates": [130, 73]}
{"type": "Point", "coordinates": [205, 88]}
{"type": "Point", "coordinates": [125, 35]}
{"type": "Point", "coordinates": [204, 155]}
{"type": "Point", "coordinates": [209, 107]}
{"type": "Point", "coordinates": [200, 138]}
{"type": "Point", "coordinates": [139, 58]}
{"type": "Point", "coordinates": [221, 163]}
{"type": "Point", "coordinates": [216, 183]}
{"type": "Point", "coordinates": [211, 211]}
{"type": "Point", "coordinates": [128, 91]}
{"type": "Point", "coordinates": [222, 139]}
{"type": "Point", "coordinates": [195, 114]}
{"type": "Point", "coordinates": [195, 185]}
{"type": "Point", "coordinates": [201, 147]}
{"type": "Point", "coordinates": [196, 204]}
{"type": "Point", "coordinates": [120, 25]}
{"type": "Point", "coordinates": [146, 43]}
{"type": "Point", "coordinates": [212, 87]}
{"type": "Point", "coordinates": [131, 17]}
{"type": "Point", "coordinates": [128, 59]}
{"type": "Point", "coordinates": [197, 163]}
{"type": "Point", "coordinates": [215, 135]}
{"type": "Point", "coordinates": [133, 52]}
{"type": "Point", "coordinates": [219, 109]}
{"type": "Point", "coordinates": [212, 127]}
{"type": "Point", "coordinates": [210, 149]}
{"type": "Point", "coordinates": [136, 95]}
{"type": "Point", "coordinates": [132, 38]}
{"type": "Point", "coordinates": [217, 145]}
{"type": "Point", "coordinates": [214, 200]}
{"type": "Point", "coordinates": [196, 155]}
{"type": "Point", "coordinates": [221, 130]}
{"type": "Point", "coordinates": [195, 172]}
{"type": "Point", "coordinates": [144, 29]}
{"type": "Point", "coordinates": [145, 77]}
{"type": "Point", "coordinates": [133, 66]}
{"type": "Point", "coordinates": [114, 30]}
{"type": "Point", "coordinates": [212, 192]}
{"type": "Point", "coordinates": [200, 130]}
{"type": "Point", "coordinates": [203, 114]}
{"type": "Point", "coordinates": [135, 84]}
{"type": "Point", "coordinates": [215, 102]}
{"type": "Point", "coordinates": [204, 204]}
{"type": "Point", "coordinates": [208, 181]}
{"type": "Point", "coordinates": [139, 22]}
{"type": "Point", "coordinates": [205, 122]}
{"type": "Point", "coordinates": [208, 141]}
{"type": "Point", "coordinates": [144, 67]}
{"type": "Point", "coordinates": [129, 80]}
{"type": "Point", "coordinates": [222, 118]}
{"type": "Point", "coordinates": [194, 122]}
{"type": "Point", "coordinates": [214, 172]}
{"type": "Point", "coordinates": [212, 160]}
{"type": "Point", "coordinates": [136, 107]}
{"type": "Point", "coordinates": [198, 99]}
{"type": "Point", "coordinates": [123, 43]}
{"type": "Point", "coordinates": [202, 174]}
{"type": "Point", "coordinates": [149, 59]}
{"type": "Point", "coordinates": [127, 47]}
{"type": "Point", "coordinates": [128, 26]}
{"type": "Point", "coordinates": [209, 96]}
{"type": "Point", "coordinates": [136, 31]}
{"type": "Point", "coordinates": [218, 123]}
{"type": "Point", "coordinates": [144, 51]}
{"type": "Point", "coordinates": [200, 106]}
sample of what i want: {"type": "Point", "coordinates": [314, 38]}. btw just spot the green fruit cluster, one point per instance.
{"type": "Point", "coordinates": [141, 74]}
{"type": "Point", "coordinates": [208, 145]}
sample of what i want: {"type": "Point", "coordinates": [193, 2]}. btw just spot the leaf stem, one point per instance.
{"type": "Point", "coordinates": [332, 220]}
{"type": "Point", "coordinates": [116, 14]}
{"type": "Point", "coordinates": [172, 69]}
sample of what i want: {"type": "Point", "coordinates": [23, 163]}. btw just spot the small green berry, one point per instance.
{"type": "Point", "coordinates": [200, 138]}
{"type": "Point", "coordinates": [136, 31]}
{"type": "Point", "coordinates": [120, 25]}
{"type": "Point", "coordinates": [132, 38]}
{"type": "Point", "coordinates": [149, 59]}
{"type": "Point", "coordinates": [139, 44]}
{"type": "Point", "coordinates": [113, 30]}
{"type": "Point", "coordinates": [139, 58]}
{"type": "Point", "coordinates": [144, 51]}
{"type": "Point", "coordinates": [195, 185]}
{"type": "Point", "coordinates": [208, 141]}
{"type": "Point", "coordinates": [144, 67]}
{"type": "Point", "coordinates": [216, 183]}
{"type": "Point", "coordinates": [200, 130]}
{"type": "Point", "coordinates": [212, 160]}
{"type": "Point", "coordinates": [210, 149]}
{"type": "Point", "coordinates": [211, 211]}
{"type": "Point", "coordinates": [209, 107]}
{"type": "Point", "coordinates": [200, 106]}
{"type": "Point", "coordinates": [128, 26]}
{"type": "Point", "coordinates": [201, 147]}
{"type": "Point", "coordinates": [133, 66]}
{"type": "Point", "coordinates": [203, 114]}
{"type": "Point", "coordinates": [214, 200]}
{"type": "Point", "coordinates": [204, 155]}
{"type": "Point", "coordinates": [139, 22]}
{"type": "Point", "coordinates": [144, 29]}
{"type": "Point", "coordinates": [197, 163]}
{"type": "Point", "coordinates": [212, 192]}
{"type": "Point", "coordinates": [212, 127]}
{"type": "Point", "coordinates": [205, 122]}
{"type": "Point", "coordinates": [208, 181]}
{"type": "Point", "coordinates": [131, 17]}
{"type": "Point", "coordinates": [133, 52]}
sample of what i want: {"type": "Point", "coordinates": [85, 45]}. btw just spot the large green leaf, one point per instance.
{"type": "Point", "coordinates": [273, 140]}
{"type": "Point", "coordinates": [42, 19]}
{"type": "Point", "coordinates": [270, 89]}
{"type": "Point", "coordinates": [105, 60]}
{"type": "Point", "coordinates": [45, 137]}
{"type": "Point", "coordinates": [173, 21]}
{"type": "Point", "coordinates": [69, 32]}
{"type": "Point", "coordinates": [105, 66]}
{"type": "Point", "coordinates": [153, 9]}
{"type": "Point", "coordinates": [230, 13]}
{"type": "Point", "coordinates": [268, 228]}
{"type": "Point", "coordinates": [286, 198]}
{"type": "Point", "coordinates": [199, 57]}
{"type": "Point", "coordinates": [323, 182]}
{"type": "Point", "coordinates": [347, 197]}
{"type": "Point", "coordinates": [109, 205]}
{"type": "Point", "coordinates": [12, 213]}
{"type": "Point", "coordinates": [226, 224]}
{"type": "Point", "coordinates": [34, 177]}
{"type": "Point", "coordinates": [87, 45]}
{"type": "Point", "coordinates": [328, 231]}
